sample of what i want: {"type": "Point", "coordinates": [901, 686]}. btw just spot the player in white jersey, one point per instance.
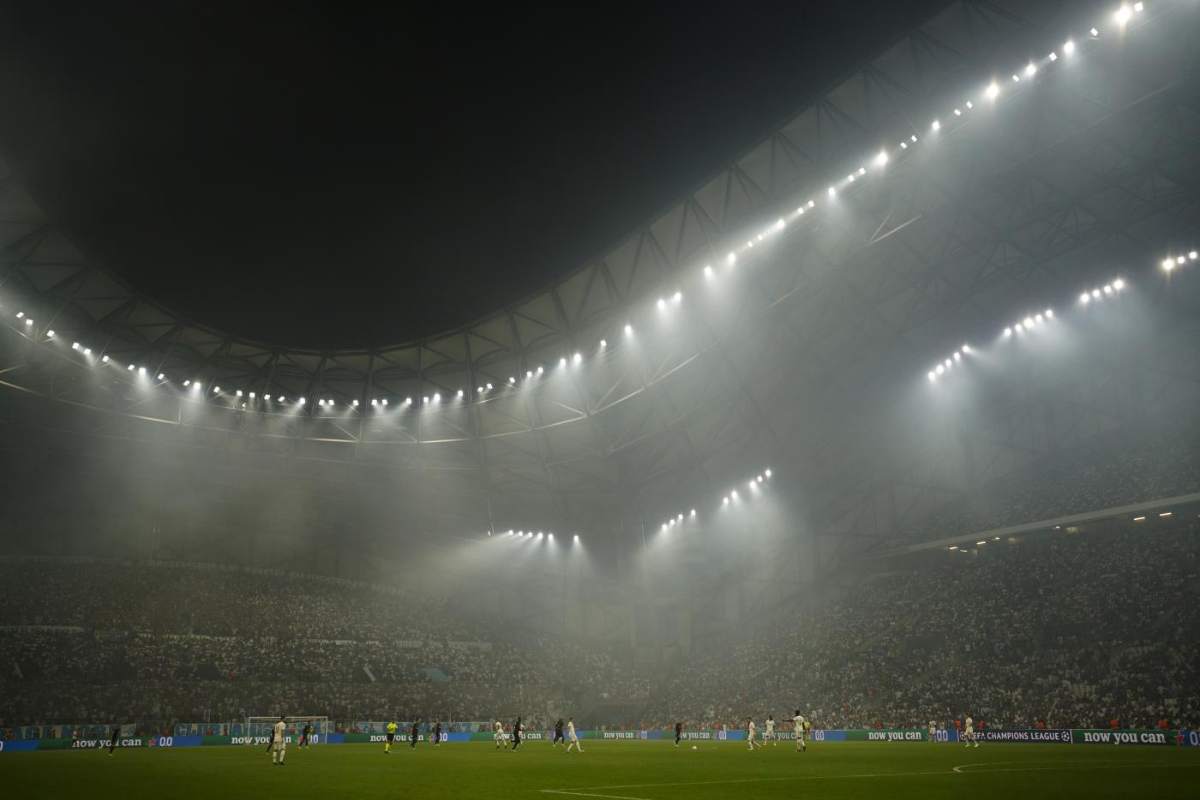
{"type": "Point", "coordinates": [572, 737]}
{"type": "Point", "coordinates": [751, 732]}
{"type": "Point", "coordinates": [932, 731]}
{"type": "Point", "coordinates": [279, 742]}
{"type": "Point", "coordinates": [969, 737]}
{"type": "Point", "coordinates": [769, 731]}
{"type": "Point", "coordinates": [799, 725]}
{"type": "Point", "coordinates": [498, 735]}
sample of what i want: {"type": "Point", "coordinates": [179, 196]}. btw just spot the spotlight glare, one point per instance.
{"type": "Point", "coordinates": [693, 513]}
{"type": "Point", "coordinates": [1030, 70]}
{"type": "Point", "coordinates": [603, 343]}
{"type": "Point", "coordinates": [958, 356]}
{"type": "Point", "coordinates": [628, 329]}
{"type": "Point", "coordinates": [1095, 294]}
{"type": "Point", "coordinates": [216, 390]}
{"type": "Point", "coordinates": [1008, 332]}
{"type": "Point", "coordinates": [1068, 47]}
{"type": "Point", "coordinates": [1053, 56]}
{"type": "Point", "coordinates": [1118, 284]}
{"type": "Point", "coordinates": [187, 382]}
{"type": "Point", "coordinates": [731, 259]}
{"type": "Point", "coordinates": [488, 387]}
{"type": "Point", "coordinates": [50, 334]}
{"type": "Point", "coordinates": [1094, 32]}
{"type": "Point", "coordinates": [74, 345]}
{"type": "Point", "coordinates": [936, 126]}
{"type": "Point", "coordinates": [87, 351]}
{"type": "Point", "coordinates": [832, 190]}
{"type": "Point", "coordinates": [1108, 288]}
{"type": "Point", "coordinates": [540, 370]}
{"type": "Point", "coordinates": [677, 297]}
{"type": "Point", "coordinates": [992, 91]}
{"type": "Point", "coordinates": [576, 537]}
{"type": "Point", "coordinates": [161, 376]}
{"type": "Point", "coordinates": [104, 358]}
{"type": "Point", "coordinates": [941, 368]}
{"type": "Point", "coordinates": [1193, 255]}
{"type": "Point", "coordinates": [881, 159]}
{"type": "Point", "coordinates": [1180, 259]}
{"type": "Point", "coordinates": [1122, 14]}
{"type": "Point", "coordinates": [1168, 264]}
{"type": "Point", "coordinates": [384, 401]}
{"type": "Point", "coordinates": [238, 393]}
{"type": "Point", "coordinates": [966, 348]}
{"type": "Point", "coordinates": [661, 304]}
{"type": "Point", "coordinates": [1085, 298]}
{"type": "Point", "coordinates": [708, 270]}
{"type": "Point", "coordinates": [460, 392]}
{"type": "Point", "coordinates": [767, 472]}
{"type": "Point", "coordinates": [578, 357]}
{"type": "Point", "coordinates": [1049, 313]}
{"type": "Point", "coordinates": [932, 377]}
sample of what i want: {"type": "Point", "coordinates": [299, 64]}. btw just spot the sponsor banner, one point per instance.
{"type": "Point", "coordinates": [19, 746]}
{"type": "Point", "coordinates": [1100, 736]}
{"type": "Point", "coordinates": [175, 741]}
{"type": "Point", "coordinates": [1052, 736]}
{"type": "Point", "coordinates": [887, 735]}
{"type": "Point", "coordinates": [1189, 739]}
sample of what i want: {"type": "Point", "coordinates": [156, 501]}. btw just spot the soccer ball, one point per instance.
{"type": "Point", "coordinates": [694, 747]}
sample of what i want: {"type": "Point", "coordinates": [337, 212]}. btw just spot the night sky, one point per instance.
{"type": "Point", "coordinates": [329, 175]}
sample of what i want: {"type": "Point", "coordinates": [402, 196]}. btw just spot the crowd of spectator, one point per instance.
{"type": "Point", "coordinates": [1059, 629]}
{"type": "Point", "coordinates": [81, 641]}
{"type": "Point", "coordinates": [1104, 473]}
{"type": "Point", "coordinates": [1070, 631]}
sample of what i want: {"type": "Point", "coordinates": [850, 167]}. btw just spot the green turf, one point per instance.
{"type": "Point", "coordinates": [650, 770]}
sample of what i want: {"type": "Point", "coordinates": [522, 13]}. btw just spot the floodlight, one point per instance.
{"type": "Point", "coordinates": [913, 138]}
{"type": "Point", "coordinates": [1019, 328]}
{"type": "Point", "coordinates": [970, 105]}
{"type": "Point", "coordinates": [267, 397]}
{"type": "Point", "coordinates": [767, 472]}
{"type": "Point", "coordinates": [904, 145]}
{"type": "Point", "coordinates": [1193, 255]}
{"type": "Point", "coordinates": [576, 537]}
{"type": "Point", "coordinates": [1049, 313]}
{"type": "Point", "coordinates": [1039, 319]}
{"type": "Point", "coordinates": [850, 177]}
{"type": "Point", "coordinates": [161, 376]}
{"type": "Point", "coordinates": [693, 513]}
{"type": "Point", "coordinates": [1108, 289]}
{"type": "Point", "coordinates": [1139, 7]}
{"type": "Point", "coordinates": [708, 270]}
{"type": "Point", "coordinates": [562, 362]}
{"type": "Point", "coordinates": [187, 382]}
{"type": "Point", "coordinates": [1095, 294]}
{"type": "Point", "coordinates": [881, 159]}
{"type": "Point", "coordinates": [958, 112]}
{"type": "Point", "coordinates": [50, 334]}
{"type": "Point", "coordinates": [1168, 264]}
{"type": "Point", "coordinates": [28, 321]}
{"type": "Point", "coordinates": [408, 401]}
{"type": "Point", "coordinates": [932, 377]}
{"type": "Point", "coordinates": [1053, 56]}
{"type": "Point", "coordinates": [460, 393]}
{"type": "Point", "coordinates": [628, 329]}
{"type": "Point", "coordinates": [677, 297]}
{"type": "Point", "coordinates": [1028, 322]}
{"type": "Point", "coordinates": [936, 126]}
{"type": "Point", "coordinates": [812, 203]}
{"type": "Point", "coordinates": [948, 363]}
{"type": "Point", "coordinates": [74, 345]}
{"type": "Point", "coordinates": [87, 351]}
{"type": "Point", "coordinates": [384, 401]}
{"type": "Point", "coordinates": [759, 479]}
{"type": "Point", "coordinates": [216, 390]}
{"type": "Point", "coordinates": [832, 190]}
{"type": "Point", "coordinates": [966, 348]}
{"type": "Point", "coordinates": [488, 387]}
{"type": "Point", "coordinates": [130, 368]}
{"type": "Point", "coordinates": [238, 392]}
{"type": "Point", "coordinates": [662, 304]}
{"type": "Point", "coordinates": [104, 359]}
{"type": "Point", "coordinates": [1030, 70]}
{"type": "Point", "coordinates": [540, 370]}
{"type": "Point", "coordinates": [603, 343]}
{"type": "Point", "coordinates": [303, 401]}
{"type": "Point", "coordinates": [353, 402]}
{"type": "Point", "coordinates": [940, 369]}
{"type": "Point", "coordinates": [1008, 331]}
{"type": "Point", "coordinates": [141, 370]}
{"type": "Point", "coordinates": [479, 390]}
{"type": "Point", "coordinates": [733, 493]}
{"type": "Point", "coordinates": [731, 259]}
{"type": "Point", "coordinates": [511, 379]}
{"type": "Point", "coordinates": [1178, 260]}
{"type": "Point", "coordinates": [20, 315]}
{"type": "Point", "coordinates": [437, 397]}
{"type": "Point", "coordinates": [1016, 78]}
{"type": "Point", "coordinates": [577, 357]}
{"type": "Point", "coordinates": [1122, 14]}
{"type": "Point", "coordinates": [1085, 298]}
{"type": "Point", "coordinates": [528, 374]}
{"type": "Point", "coordinates": [1094, 33]}
{"type": "Point", "coordinates": [1068, 47]}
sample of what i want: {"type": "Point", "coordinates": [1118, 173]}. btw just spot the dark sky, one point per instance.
{"type": "Point", "coordinates": [329, 175]}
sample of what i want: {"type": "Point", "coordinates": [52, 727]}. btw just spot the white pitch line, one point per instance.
{"type": "Point", "coordinates": [589, 794]}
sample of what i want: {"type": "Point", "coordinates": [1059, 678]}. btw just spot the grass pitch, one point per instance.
{"type": "Point", "coordinates": [641, 770]}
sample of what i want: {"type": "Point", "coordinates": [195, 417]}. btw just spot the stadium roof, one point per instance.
{"type": "Point", "coordinates": [1082, 166]}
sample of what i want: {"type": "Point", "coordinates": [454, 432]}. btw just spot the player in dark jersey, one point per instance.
{"type": "Point", "coordinates": [678, 732]}
{"type": "Point", "coordinates": [516, 737]}
{"type": "Point", "coordinates": [304, 734]}
{"type": "Point", "coordinates": [112, 739]}
{"type": "Point", "coordinates": [413, 736]}
{"type": "Point", "coordinates": [558, 734]}
{"type": "Point", "coordinates": [437, 734]}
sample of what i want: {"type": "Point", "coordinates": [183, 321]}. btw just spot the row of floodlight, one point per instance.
{"type": "Point", "coordinates": [532, 535]}
{"type": "Point", "coordinates": [1171, 262]}
{"type": "Point", "coordinates": [991, 93]}
{"type": "Point", "coordinates": [1028, 324]}
{"type": "Point", "coordinates": [752, 484]}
